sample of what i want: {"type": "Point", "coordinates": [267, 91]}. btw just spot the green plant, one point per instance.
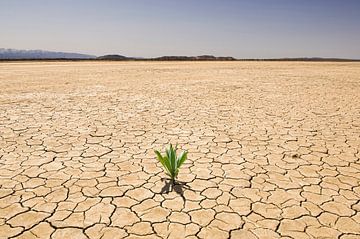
{"type": "Point", "coordinates": [171, 162]}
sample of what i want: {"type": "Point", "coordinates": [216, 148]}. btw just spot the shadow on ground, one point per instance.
{"type": "Point", "coordinates": [176, 186]}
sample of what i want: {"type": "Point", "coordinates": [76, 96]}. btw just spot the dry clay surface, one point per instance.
{"type": "Point", "coordinates": [273, 150]}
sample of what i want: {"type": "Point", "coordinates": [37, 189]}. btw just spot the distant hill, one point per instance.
{"type": "Point", "coordinates": [40, 54]}
{"type": "Point", "coordinates": [114, 58]}
{"type": "Point", "coordinates": [168, 58]}
{"type": "Point", "coordinates": [194, 58]}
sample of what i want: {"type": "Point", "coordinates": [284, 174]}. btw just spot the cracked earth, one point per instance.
{"type": "Point", "coordinates": [273, 150]}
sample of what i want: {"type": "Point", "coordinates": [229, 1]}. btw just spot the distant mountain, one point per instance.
{"type": "Point", "coordinates": [40, 54]}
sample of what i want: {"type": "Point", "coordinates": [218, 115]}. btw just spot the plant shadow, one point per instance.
{"type": "Point", "coordinates": [176, 186]}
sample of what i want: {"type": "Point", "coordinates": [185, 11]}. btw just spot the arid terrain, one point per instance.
{"type": "Point", "coordinates": [274, 149]}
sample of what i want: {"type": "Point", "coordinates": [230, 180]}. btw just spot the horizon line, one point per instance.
{"type": "Point", "coordinates": [95, 57]}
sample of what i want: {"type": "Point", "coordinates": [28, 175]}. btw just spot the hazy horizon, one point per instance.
{"type": "Point", "coordinates": [242, 29]}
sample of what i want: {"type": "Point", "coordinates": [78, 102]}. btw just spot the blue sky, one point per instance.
{"type": "Point", "coordinates": [239, 28]}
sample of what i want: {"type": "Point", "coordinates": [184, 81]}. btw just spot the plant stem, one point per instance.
{"type": "Point", "coordinates": [172, 183]}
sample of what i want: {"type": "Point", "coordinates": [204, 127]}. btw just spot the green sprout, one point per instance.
{"type": "Point", "coordinates": [171, 162]}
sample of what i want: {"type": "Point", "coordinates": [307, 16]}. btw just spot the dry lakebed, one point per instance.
{"type": "Point", "coordinates": [274, 149]}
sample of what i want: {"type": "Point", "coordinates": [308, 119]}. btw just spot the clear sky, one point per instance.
{"type": "Point", "coordinates": [239, 28]}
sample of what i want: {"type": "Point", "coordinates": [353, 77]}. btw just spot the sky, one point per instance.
{"type": "Point", "coordinates": [149, 28]}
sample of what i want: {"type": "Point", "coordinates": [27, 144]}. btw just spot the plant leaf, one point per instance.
{"type": "Point", "coordinates": [167, 165]}
{"type": "Point", "coordinates": [174, 161]}
{"type": "Point", "coordinates": [176, 172]}
{"type": "Point", "coordinates": [168, 156]}
{"type": "Point", "coordinates": [171, 161]}
{"type": "Point", "coordinates": [181, 159]}
{"type": "Point", "coordinates": [162, 160]}
{"type": "Point", "coordinates": [169, 152]}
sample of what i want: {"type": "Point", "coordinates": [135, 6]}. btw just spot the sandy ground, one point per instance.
{"type": "Point", "coordinates": [273, 149]}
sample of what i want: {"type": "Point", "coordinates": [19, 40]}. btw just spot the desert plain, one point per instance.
{"type": "Point", "coordinates": [274, 149]}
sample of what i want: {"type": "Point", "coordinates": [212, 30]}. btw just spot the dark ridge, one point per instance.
{"type": "Point", "coordinates": [114, 58]}
{"type": "Point", "coordinates": [167, 58]}
{"type": "Point", "coordinates": [193, 58]}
